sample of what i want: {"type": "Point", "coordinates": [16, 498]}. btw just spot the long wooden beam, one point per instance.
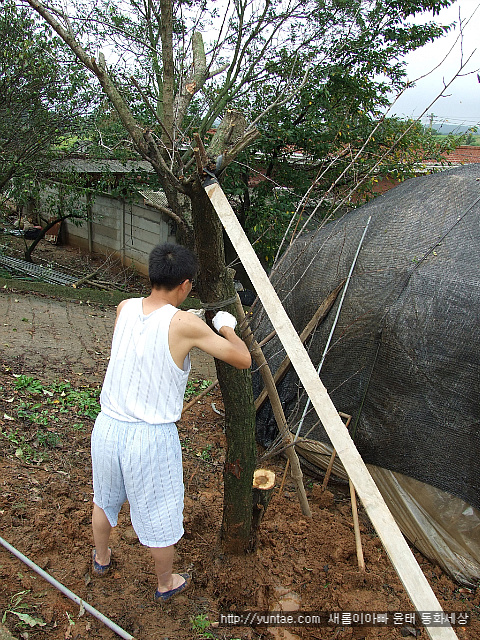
{"type": "Point", "coordinates": [400, 554]}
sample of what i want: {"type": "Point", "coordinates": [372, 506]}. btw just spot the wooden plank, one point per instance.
{"type": "Point", "coordinates": [400, 554]}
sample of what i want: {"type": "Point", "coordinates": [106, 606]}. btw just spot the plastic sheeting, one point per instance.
{"type": "Point", "coordinates": [404, 360]}
{"type": "Point", "coordinates": [444, 528]}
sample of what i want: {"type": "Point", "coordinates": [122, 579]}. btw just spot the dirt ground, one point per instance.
{"type": "Point", "coordinates": [45, 509]}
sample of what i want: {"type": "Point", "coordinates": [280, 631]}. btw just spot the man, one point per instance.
{"type": "Point", "coordinates": [136, 453]}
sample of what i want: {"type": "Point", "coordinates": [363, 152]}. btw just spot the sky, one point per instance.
{"type": "Point", "coordinates": [460, 102]}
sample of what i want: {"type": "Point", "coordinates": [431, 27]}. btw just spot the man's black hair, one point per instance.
{"type": "Point", "coordinates": [171, 264]}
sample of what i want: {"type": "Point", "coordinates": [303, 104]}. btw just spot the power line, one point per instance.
{"type": "Point", "coordinates": [449, 120]}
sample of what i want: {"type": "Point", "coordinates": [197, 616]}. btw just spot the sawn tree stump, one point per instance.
{"type": "Point", "coordinates": [262, 491]}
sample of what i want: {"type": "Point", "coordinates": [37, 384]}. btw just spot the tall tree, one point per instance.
{"type": "Point", "coordinates": [42, 94]}
{"type": "Point", "coordinates": [168, 87]}
{"type": "Point", "coordinates": [186, 84]}
{"type": "Point", "coordinates": [333, 138]}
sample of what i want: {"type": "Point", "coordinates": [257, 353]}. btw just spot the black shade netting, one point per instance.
{"type": "Point", "coordinates": [404, 359]}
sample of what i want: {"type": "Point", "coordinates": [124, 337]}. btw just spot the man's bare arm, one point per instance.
{"type": "Point", "coordinates": [245, 359]}
{"type": "Point", "coordinates": [188, 331]}
{"type": "Point", "coordinates": [119, 308]}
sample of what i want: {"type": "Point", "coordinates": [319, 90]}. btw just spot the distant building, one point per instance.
{"type": "Point", "coordinates": [127, 228]}
{"type": "Point", "coordinates": [465, 154]}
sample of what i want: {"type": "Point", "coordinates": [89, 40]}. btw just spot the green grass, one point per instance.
{"type": "Point", "coordinates": [43, 411]}
{"type": "Point", "coordinates": [194, 387]}
{"type": "Point", "coordinates": [94, 296]}
{"type": "Point", "coordinates": [41, 416]}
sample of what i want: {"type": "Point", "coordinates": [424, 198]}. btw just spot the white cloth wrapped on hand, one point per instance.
{"type": "Point", "coordinates": [222, 319]}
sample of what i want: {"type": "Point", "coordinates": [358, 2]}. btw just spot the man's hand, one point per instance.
{"type": "Point", "coordinates": [222, 319]}
{"type": "Point", "coordinates": [188, 331]}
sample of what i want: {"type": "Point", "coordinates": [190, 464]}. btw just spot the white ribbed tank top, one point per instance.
{"type": "Point", "coordinates": [142, 382]}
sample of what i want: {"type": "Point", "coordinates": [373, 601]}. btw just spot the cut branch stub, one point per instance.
{"type": "Point", "coordinates": [201, 149]}
{"type": "Point", "coordinates": [229, 132]}
{"type": "Point", "coordinates": [263, 479]}
{"type": "Point", "coordinates": [262, 492]}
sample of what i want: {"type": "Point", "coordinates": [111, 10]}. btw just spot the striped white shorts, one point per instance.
{"type": "Point", "coordinates": [141, 463]}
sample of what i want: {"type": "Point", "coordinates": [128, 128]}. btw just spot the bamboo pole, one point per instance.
{"type": "Point", "coordinates": [403, 560]}
{"type": "Point", "coordinates": [287, 438]}
{"type": "Point", "coordinates": [319, 315]}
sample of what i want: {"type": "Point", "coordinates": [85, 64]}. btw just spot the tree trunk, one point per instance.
{"type": "Point", "coordinates": [215, 285]}
{"type": "Point", "coordinates": [262, 492]}
{"type": "Point", "coordinates": [240, 458]}
{"type": "Point", "coordinates": [180, 204]}
{"type": "Point", "coordinates": [30, 249]}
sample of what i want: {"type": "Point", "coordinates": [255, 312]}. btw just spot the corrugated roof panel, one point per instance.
{"type": "Point", "coordinates": [155, 197]}
{"type": "Point", "coordinates": [100, 166]}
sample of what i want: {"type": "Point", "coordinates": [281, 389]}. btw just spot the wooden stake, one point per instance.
{"type": "Point", "coordinates": [356, 528]}
{"type": "Point", "coordinates": [319, 315]}
{"type": "Point", "coordinates": [334, 453]}
{"type": "Point", "coordinates": [287, 438]}
{"type": "Point", "coordinates": [329, 470]}
{"type": "Point", "coordinates": [403, 560]}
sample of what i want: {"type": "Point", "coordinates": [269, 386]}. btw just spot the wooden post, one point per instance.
{"type": "Point", "coordinates": [403, 560]}
{"type": "Point", "coordinates": [89, 221]}
{"type": "Point", "coordinates": [122, 232]}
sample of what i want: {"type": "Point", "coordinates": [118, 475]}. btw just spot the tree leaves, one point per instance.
{"type": "Point", "coordinates": [42, 94]}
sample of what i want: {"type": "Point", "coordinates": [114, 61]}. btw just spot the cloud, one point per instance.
{"type": "Point", "coordinates": [460, 102]}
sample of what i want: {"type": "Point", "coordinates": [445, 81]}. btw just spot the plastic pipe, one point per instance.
{"type": "Point", "coordinates": [114, 627]}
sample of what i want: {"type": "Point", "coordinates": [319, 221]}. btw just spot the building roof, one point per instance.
{"type": "Point", "coordinates": [79, 165]}
{"type": "Point", "coordinates": [155, 197]}
{"type": "Point", "coordinates": [465, 154]}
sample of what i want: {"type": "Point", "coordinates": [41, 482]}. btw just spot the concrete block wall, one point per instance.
{"type": "Point", "coordinates": [144, 228]}
{"type": "Point", "coordinates": [127, 230]}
